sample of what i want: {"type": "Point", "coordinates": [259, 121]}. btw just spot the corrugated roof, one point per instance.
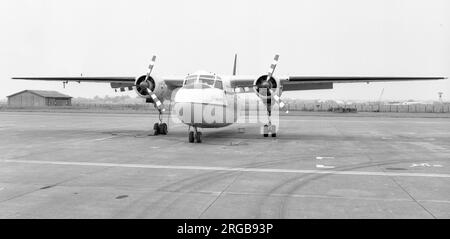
{"type": "Point", "coordinates": [44, 93]}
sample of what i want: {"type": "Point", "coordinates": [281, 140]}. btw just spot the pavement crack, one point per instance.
{"type": "Point", "coordinates": [418, 203]}
{"type": "Point", "coordinates": [404, 190]}
{"type": "Point", "coordinates": [221, 193]}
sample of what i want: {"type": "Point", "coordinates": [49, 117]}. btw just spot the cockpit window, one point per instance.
{"type": "Point", "coordinates": [207, 79]}
{"type": "Point", "coordinates": [212, 81]}
{"type": "Point", "coordinates": [218, 84]}
{"type": "Point", "coordinates": [190, 81]}
{"type": "Point", "coordinates": [209, 82]}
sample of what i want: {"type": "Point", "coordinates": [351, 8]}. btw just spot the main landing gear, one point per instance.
{"type": "Point", "coordinates": [269, 128]}
{"type": "Point", "coordinates": [195, 135]}
{"type": "Point", "coordinates": [160, 128]}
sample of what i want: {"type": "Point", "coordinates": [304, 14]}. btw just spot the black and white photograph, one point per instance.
{"type": "Point", "coordinates": [236, 109]}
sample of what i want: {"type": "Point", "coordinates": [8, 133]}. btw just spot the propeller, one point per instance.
{"type": "Point", "coordinates": [148, 85]}
{"type": "Point", "coordinates": [272, 67]}
{"type": "Point", "coordinates": [267, 84]}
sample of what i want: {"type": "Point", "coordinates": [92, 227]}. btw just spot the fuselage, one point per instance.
{"type": "Point", "coordinates": [206, 100]}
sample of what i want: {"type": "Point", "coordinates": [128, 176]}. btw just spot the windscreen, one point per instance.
{"type": "Point", "coordinates": [207, 79]}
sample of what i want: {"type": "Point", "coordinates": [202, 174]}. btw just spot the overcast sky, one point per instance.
{"type": "Point", "coordinates": [317, 37]}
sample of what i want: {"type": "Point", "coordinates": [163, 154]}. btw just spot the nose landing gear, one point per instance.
{"type": "Point", "coordinates": [269, 129]}
{"type": "Point", "coordinates": [195, 135]}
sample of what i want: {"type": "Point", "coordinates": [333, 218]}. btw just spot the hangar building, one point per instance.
{"type": "Point", "coordinates": [38, 98]}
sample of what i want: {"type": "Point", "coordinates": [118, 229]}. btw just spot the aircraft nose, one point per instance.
{"type": "Point", "coordinates": [202, 96]}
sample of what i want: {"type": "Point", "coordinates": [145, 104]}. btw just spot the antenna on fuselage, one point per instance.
{"type": "Point", "coordinates": [234, 65]}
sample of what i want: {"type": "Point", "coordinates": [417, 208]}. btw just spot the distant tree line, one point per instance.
{"type": "Point", "coordinates": [123, 99]}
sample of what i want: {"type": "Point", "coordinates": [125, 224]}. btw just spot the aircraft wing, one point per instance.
{"type": "Point", "coordinates": [115, 81]}
{"type": "Point", "coordinates": [291, 83]}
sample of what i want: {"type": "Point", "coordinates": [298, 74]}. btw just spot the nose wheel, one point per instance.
{"type": "Point", "coordinates": [269, 129]}
{"type": "Point", "coordinates": [195, 136]}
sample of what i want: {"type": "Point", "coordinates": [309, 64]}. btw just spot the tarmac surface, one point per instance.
{"type": "Point", "coordinates": [90, 165]}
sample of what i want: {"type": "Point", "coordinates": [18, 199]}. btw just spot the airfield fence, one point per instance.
{"type": "Point", "coordinates": [86, 107]}
{"type": "Point", "coordinates": [415, 108]}
{"type": "Point", "coordinates": [291, 106]}
{"type": "Point", "coordinates": [132, 107]}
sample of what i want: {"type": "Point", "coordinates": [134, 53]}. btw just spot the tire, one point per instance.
{"type": "Point", "coordinates": [163, 128]}
{"type": "Point", "coordinates": [156, 129]}
{"type": "Point", "coordinates": [273, 130]}
{"type": "Point", "coordinates": [266, 131]}
{"type": "Point", "coordinates": [191, 137]}
{"type": "Point", "coordinates": [198, 137]}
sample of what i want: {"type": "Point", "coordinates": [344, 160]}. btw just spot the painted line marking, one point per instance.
{"type": "Point", "coordinates": [101, 139]}
{"type": "Point", "coordinates": [323, 166]}
{"type": "Point", "coordinates": [258, 170]}
{"type": "Point", "coordinates": [425, 165]}
{"type": "Point", "coordinates": [92, 140]}
{"type": "Point", "coordinates": [324, 157]}
{"type": "Point", "coordinates": [420, 165]}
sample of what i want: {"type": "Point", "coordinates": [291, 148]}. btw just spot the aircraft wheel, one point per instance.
{"type": "Point", "coordinates": [156, 129]}
{"type": "Point", "coordinates": [191, 137]}
{"type": "Point", "coordinates": [198, 137]}
{"type": "Point", "coordinates": [163, 128]}
{"type": "Point", "coordinates": [266, 131]}
{"type": "Point", "coordinates": [273, 131]}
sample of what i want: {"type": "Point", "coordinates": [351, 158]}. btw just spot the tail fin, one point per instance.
{"type": "Point", "coordinates": [234, 65]}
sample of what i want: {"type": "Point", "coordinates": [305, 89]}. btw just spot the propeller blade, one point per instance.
{"type": "Point", "coordinates": [148, 85]}
{"type": "Point", "coordinates": [272, 67]}
{"type": "Point", "coordinates": [150, 67]}
{"type": "Point", "coordinates": [269, 75]}
{"type": "Point", "coordinates": [158, 103]}
{"type": "Point", "coordinates": [279, 101]}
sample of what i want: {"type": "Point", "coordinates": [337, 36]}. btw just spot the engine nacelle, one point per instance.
{"type": "Point", "coordinates": [263, 87]}
{"type": "Point", "coordinates": [143, 91]}
{"type": "Point", "coordinates": [154, 84]}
